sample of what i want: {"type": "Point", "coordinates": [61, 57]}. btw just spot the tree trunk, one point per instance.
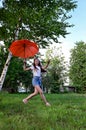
{"type": "Point", "coordinates": [3, 75]}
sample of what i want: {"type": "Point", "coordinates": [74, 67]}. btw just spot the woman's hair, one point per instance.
{"type": "Point", "coordinates": [39, 64]}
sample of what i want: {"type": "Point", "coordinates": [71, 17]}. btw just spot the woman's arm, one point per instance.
{"type": "Point", "coordinates": [26, 68]}
{"type": "Point", "coordinates": [46, 65]}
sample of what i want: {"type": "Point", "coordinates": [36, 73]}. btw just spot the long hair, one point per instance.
{"type": "Point", "coordinates": [39, 64]}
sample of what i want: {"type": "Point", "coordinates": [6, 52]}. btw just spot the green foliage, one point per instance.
{"type": "Point", "coordinates": [17, 75]}
{"type": "Point", "coordinates": [39, 20]}
{"type": "Point", "coordinates": [68, 112]}
{"type": "Point", "coordinates": [78, 66]}
{"type": "Point", "coordinates": [57, 70]}
{"type": "Point", "coordinates": [55, 87]}
{"type": "Point", "coordinates": [3, 56]}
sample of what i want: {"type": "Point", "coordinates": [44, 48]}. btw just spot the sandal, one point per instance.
{"type": "Point", "coordinates": [48, 104]}
{"type": "Point", "coordinates": [25, 101]}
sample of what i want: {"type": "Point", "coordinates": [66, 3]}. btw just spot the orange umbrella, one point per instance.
{"type": "Point", "coordinates": [24, 48]}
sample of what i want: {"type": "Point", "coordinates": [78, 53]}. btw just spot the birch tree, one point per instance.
{"type": "Point", "coordinates": [41, 21]}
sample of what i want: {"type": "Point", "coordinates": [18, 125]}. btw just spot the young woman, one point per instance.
{"type": "Point", "coordinates": [37, 70]}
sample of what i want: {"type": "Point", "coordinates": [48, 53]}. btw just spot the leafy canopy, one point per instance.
{"type": "Point", "coordinates": [40, 21]}
{"type": "Point", "coordinates": [78, 66]}
{"type": "Point", "coordinates": [57, 70]}
{"type": "Point", "coordinates": [37, 20]}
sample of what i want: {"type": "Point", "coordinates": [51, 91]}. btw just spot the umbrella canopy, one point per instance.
{"type": "Point", "coordinates": [24, 48]}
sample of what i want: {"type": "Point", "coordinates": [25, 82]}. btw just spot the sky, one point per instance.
{"type": "Point", "coordinates": [79, 20]}
{"type": "Point", "coordinates": [78, 32]}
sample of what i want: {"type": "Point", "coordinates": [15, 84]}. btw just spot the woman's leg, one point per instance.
{"type": "Point", "coordinates": [31, 95]}
{"type": "Point", "coordinates": [42, 95]}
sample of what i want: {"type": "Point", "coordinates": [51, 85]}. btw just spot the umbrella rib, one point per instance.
{"type": "Point", "coordinates": [30, 51]}
{"type": "Point", "coordinates": [24, 49]}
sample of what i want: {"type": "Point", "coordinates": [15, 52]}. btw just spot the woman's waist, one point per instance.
{"type": "Point", "coordinates": [37, 77]}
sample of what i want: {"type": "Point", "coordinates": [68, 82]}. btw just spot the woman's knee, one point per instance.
{"type": "Point", "coordinates": [35, 93]}
{"type": "Point", "coordinates": [41, 92]}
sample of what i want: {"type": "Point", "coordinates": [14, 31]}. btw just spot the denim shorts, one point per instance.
{"type": "Point", "coordinates": [36, 81]}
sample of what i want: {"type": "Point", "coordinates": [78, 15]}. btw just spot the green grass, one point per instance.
{"type": "Point", "coordinates": [68, 112]}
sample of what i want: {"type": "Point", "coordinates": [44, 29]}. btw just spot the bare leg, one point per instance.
{"type": "Point", "coordinates": [42, 95]}
{"type": "Point", "coordinates": [31, 95]}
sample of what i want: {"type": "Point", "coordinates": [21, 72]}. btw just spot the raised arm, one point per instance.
{"type": "Point", "coordinates": [48, 62]}
{"type": "Point", "coordinates": [26, 68]}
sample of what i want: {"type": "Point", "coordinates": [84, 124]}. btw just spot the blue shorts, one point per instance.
{"type": "Point", "coordinates": [36, 81]}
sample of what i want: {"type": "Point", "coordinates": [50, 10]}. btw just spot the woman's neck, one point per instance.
{"type": "Point", "coordinates": [36, 65]}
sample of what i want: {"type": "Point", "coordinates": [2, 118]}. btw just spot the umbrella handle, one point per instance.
{"type": "Point", "coordinates": [24, 62]}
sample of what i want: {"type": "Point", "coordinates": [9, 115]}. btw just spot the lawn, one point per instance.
{"type": "Point", "coordinates": [68, 112]}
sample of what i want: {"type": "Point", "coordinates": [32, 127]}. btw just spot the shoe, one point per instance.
{"type": "Point", "coordinates": [25, 101]}
{"type": "Point", "coordinates": [48, 104]}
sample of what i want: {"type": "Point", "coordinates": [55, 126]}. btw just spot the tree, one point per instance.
{"type": "Point", "coordinates": [16, 75]}
{"type": "Point", "coordinates": [77, 72]}
{"type": "Point", "coordinates": [5, 69]}
{"type": "Point", "coordinates": [57, 70]}
{"type": "Point", "coordinates": [40, 21]}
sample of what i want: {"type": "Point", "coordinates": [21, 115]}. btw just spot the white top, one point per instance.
{"type": "Point", "coordinates": [36, 72]}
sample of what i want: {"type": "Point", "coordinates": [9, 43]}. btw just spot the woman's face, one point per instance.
{"type": "Point", "coordinates": [36, 61]}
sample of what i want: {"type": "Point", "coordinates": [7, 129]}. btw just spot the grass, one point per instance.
{"type": "Point", "coordinates": [68, 112]}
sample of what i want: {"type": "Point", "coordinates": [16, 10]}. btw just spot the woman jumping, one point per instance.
{"type": "Point", "coordinates": [37, 70]}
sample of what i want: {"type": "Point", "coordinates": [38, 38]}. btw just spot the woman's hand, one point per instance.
{"type": "Point", "coordinates": [48, 61]}
{"type": "Point", "coordinates": [24, 67]}
{"type": "Point", "coordinates": [47, 64]}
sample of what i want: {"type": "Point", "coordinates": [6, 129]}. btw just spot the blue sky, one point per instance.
{"type": "Point", "coordinates": [0, 2]}
{"type": "Point", "coordinates": [78, 32]}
